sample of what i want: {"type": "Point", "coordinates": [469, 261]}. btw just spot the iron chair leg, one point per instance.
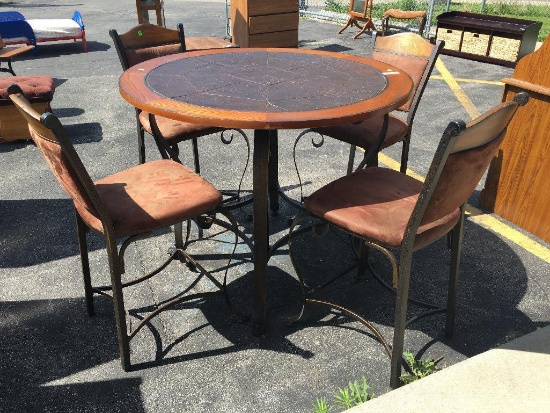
{"type": "Point", "coordinates": [400, 318]}
{"type": "Point", "coordinates": [118, 300]}
{"type": "Point", "coordinates": [141, 139]}
{"type": "Point", "coordinates": [82, 229]}
{"type": "Point", "coordinates": [456, 249]}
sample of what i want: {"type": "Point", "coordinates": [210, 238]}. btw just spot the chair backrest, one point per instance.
{"type": "Point", "coordinates": [411, 53]}
{"type": "Point", "coordinates": [147, 41]}
{"type": "Point", "coordinates": [51, 139]}
{"type": "Point", "coordinates": [463, 155]}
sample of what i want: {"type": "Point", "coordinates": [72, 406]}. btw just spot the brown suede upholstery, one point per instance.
{"type": "Point", "coordinates": [59, 164]}
{"type": "Point", "coordinates": [365, 134]}
{"type": "Point", "coordinates": [136, 56]}
{"type": "Point", "coordinates": [152, 195]}
{"type": "Point", "coordinates": [461, 174]}
{"type": "Point", "coordinates": [149, 196]}
{"type": "Point", "coordinates": [173, 129]}
{"type": "Point", "coordinates": [36, 88]}
{"type": "Point", "coordinates": [377, 204]}
{"type": "Point", "coordinates": [413, 65]}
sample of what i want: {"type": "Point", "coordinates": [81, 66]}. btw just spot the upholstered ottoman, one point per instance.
{"type": "Point", "coordinates": [39, 91]}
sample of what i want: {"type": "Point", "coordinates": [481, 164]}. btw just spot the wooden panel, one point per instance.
{"type": "Point", "coordinates": [517, 186]}
{"type": "Point", "coordinates": [239, 23]}
{"type": "Point", "coordinates": [273, 23]}
{"type": "Point", "coordinates": [13, 126]}
{"type": "Point", "coordinates": [278, 39]}
{"type": "Point", "coordinates": [205, 43]}
{"type": "Point", "coordinates": [261, 7]}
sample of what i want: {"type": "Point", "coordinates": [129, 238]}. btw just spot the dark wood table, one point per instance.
{"type": "Point", "coordinates": [265, 90]}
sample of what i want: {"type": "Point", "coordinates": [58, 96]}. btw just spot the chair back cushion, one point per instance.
{"type": "Point", "coordinates": [466, 158]}
{"type": "Point", "coordinates": [406, 51]}
{"type": "Point", "coordinates": [147, 41]}
{"type": "Point", "coordinates": [56, 157]}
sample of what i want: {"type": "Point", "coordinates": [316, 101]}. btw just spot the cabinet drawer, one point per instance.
{"type": "Point", "coordinates": [505, 49]}
{"type": "Point", "coordinates": [273, 23]}
{"type": "Point", "coordinates": [475, 43]}
{"type": "Point", "coordinates": [288, 38]}
{"type": "Point", "coordinates": [261, 7]}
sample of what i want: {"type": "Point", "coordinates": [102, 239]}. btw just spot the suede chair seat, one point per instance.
{"type": "Point", "coordinates": [36, 88]}
{"type": "Point", "coordinates": [377, 203]}
{"type": "Point", "coordinates": [365, 134]}
{"type": "Point", "coordinates": [173, 130]}
{"type": "Point", "coordinates": [149, 196]}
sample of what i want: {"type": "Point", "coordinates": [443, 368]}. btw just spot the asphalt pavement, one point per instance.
{"type": "Point", "coordinates": [199, 357]}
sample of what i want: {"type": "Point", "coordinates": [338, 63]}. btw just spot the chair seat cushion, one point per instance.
{"type": "Point", "coordinates": [35, 88]}
{"type": "Point", "coordinates": [150, 196]}
{"type": "Point", "coordinates": [376, 203]}
{"type": "Point", "coordinates": [365, 134]}
{"type": "Point", "coordinates": [173, 130]}
{"type": "Point", "coordinates": [404, 14]}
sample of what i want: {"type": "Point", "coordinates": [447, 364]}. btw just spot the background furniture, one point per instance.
{"type": "Point", "coordinates": [419, 15]}
{"type": "Point", "coordinates": [517, 186]}
{"type": "Point", "coordinates": [144, 6]}
{"type": "Point", "coordinates": [144, 42]}
{"type": "Point", "coordinates": [486, 38]}
{"type": "Point", "coordinates": [260, 23]}
{"type": "Point", "coordinates": [397, 215]}
{"type": "Point", "coordinates": [294, 102]}
{"type": "Point", "coordinates": [359, 11]}
{"type": "Point", "coordinates": [126, 207]}
{"type": "Point", "coordinates": [14, 29]}
{"type": "Point", "coordinates": [415, 56]}
{"type": "Point", "coordinates": [38, 89]}
{"type": "Point", "coordinates": [8, 53]}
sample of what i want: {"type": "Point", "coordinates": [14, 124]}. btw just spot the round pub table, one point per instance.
{"type": "Point", "coordinates": [265, 90]}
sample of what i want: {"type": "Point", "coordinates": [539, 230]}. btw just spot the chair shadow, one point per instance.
{"type": "Point", "coordinates": [48, 340]}
{"type": "Point", "coordinates": [234, 326]}
{"type": "Point", "coordinates": [492, 284]}
{"type": "Point", "coordinates": [35, 231]}
{"type": "Point", "coordinates": [61, 48]}
{"type": "Point", "coordinates": [68, 112]}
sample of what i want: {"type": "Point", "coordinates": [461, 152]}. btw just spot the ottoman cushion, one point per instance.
{"type": "Point", "coordinates": [36, 88]}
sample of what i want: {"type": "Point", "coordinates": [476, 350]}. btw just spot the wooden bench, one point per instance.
{"type": "Point", "coordinates": [8, 53]}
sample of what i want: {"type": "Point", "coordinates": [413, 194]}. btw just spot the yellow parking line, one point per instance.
{"type": "Point", "coordinates": [480, 81]}
{"type": "Point", "coordinates": [457, 90]}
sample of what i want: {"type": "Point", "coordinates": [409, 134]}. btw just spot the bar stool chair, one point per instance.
{"type": "Point", "coordinates": [146, 41]}
{"type": "Point", "coordinates": [414, 55]}
{"type": "Point", "coordinates": [396, 214]}
{"type": "Point", "coordinates": [125, 207]}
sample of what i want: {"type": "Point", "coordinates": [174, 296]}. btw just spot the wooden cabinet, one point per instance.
{"type": "Point", "coordinates": [518, 186]}
{"type": "Point", "coordinates": [261, 23]}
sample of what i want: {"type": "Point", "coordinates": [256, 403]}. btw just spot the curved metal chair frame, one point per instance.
{"type": "Point", "coordinates": [458, 142]}
{"type": "Point", "coordinates": [155, 41]}
{"type": "Point", "coordinates": [47, 127]}
{"type": "Point", "coordinates": [408, 52]}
